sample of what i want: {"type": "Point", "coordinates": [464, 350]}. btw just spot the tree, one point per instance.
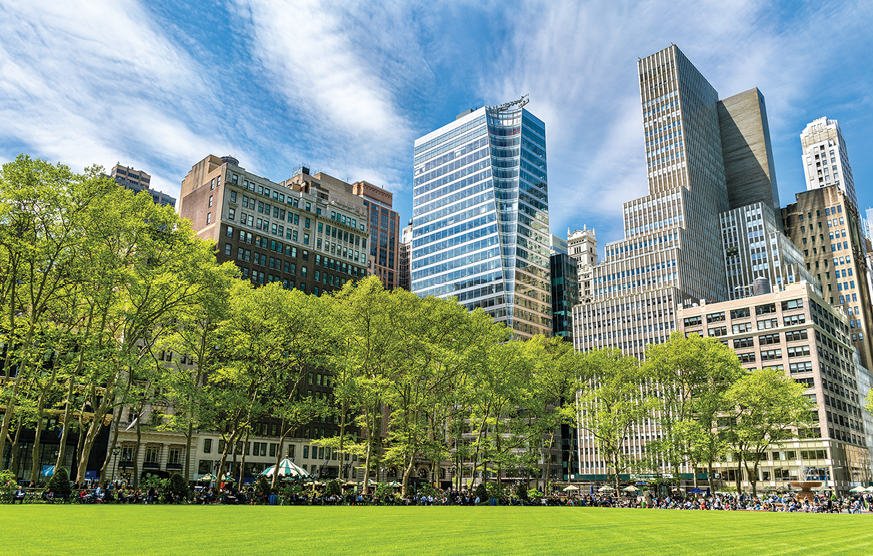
{"type": "Point", "coordinates": [59, 484]}
{"type": "Point", "coordinates": [691, 376]}
{"type": "Point", "coordinates": [766, 407]}
{"type": "Point", "coordinates": [614, 397]}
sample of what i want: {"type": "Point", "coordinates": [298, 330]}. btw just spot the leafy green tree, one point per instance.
{"type": "Point", "coordinates": [692, 375]}
{"type": "Point", "coordinates": [333, 488]}
{"type": "Point", "coordinates": [766, 408]}
{"type": "Point", "coordinates": [614, 398]}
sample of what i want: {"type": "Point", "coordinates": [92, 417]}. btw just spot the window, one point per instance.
{"type": "Point", "coordinates": [765, 309]}
{"type": "Point", "coordinates": [794, 319]}
{"type": "Point", "coordinates": [746, 357]}
{"type": "Point", "coordinates": [152, 454]}
{"type": "Point", "coordinates": [693, 321]}
{"type": "Point", "coordinates": [740, 328]}
{"type": "Point", "coordinates": [744, 342]}
{"type": "Point", "coordinates": [174, 458]}
{"type": "Point", "coordinates": [798, 351]}
{"type": "Point", "coordinates": [767, 339]}
{"type": "Point", "coordinates": [771, 354]}
{"type": "Point", "coordinates": [210, 200]}
{"type": "Point", "coordinates": [715, 317]}
{"type": "Point", "coordinates": [208, 217]}
{"type": "Point", "coordinates": [767, 324]}
{"type": "Point", "coordinates": [795, 336]}
{"type": "Point", "coordinates": [233, 196]}
{"type": "Point", "coordinates": [793, 304]}
{"type": "Point", "coordinates": [207, 445]}
{"type": "Point", "coordinates": [740, 313]}
{"type": "Point", "coordinates": [718, 331]}
{"type": "Point", "coordinates": [227, 249]}
{"type": "Point", "coordinates": [229, 231]}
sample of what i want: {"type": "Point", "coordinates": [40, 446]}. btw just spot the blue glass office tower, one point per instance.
{"type": "Point", "coordinates": [480, 226]}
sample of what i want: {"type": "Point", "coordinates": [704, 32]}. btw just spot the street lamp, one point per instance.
{"type": "Point", "coordinates": [115, 451]}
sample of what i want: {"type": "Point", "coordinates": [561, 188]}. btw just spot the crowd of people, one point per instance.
{"type": "Point", "coordinates": [249, 494]}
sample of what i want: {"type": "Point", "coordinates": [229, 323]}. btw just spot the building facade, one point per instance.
{"type": "Point", "coordinates": [565, 288]}
{"type": "Point", "coordinates": [405, 252]}
{"type": "Point", "coordinates": [138, 180]}
{"type": "Point", "coordinates": [384, 232]}
{"type": "Point", "coordinates": [825, 225]}
{"type": "Point", "coordinates": [825, 159]}
{"type": "Point", "coordinates": [480, 227]}
{"type": "Point", "coordinates": [755, 248]}
{"type": "Point", "coordinates": [582, 247]}
{"type": "Point", "coordinates": [797, 330]}
{"type": "Point", "coordinates": [302, 232]}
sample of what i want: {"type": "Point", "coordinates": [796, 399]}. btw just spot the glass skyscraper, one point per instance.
{"type": "Point", "coordinates": [480, 226]}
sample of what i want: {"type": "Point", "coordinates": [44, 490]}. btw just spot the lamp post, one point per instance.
{"type": "Point", "coordinates": [115, 451]}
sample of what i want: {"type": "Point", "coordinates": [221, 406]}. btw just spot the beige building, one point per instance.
{"type": "Point", "coordinates": [825, 225]}
{"type": "Point", "coordinates": [797, 331]}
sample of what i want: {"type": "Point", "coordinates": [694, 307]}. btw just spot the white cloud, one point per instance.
{"type": "Point", "coordinates": [341, 72]}
{"type": "Point", "coordinates": [98, 82]}
{"type": "Point", "coordinates": [578, 62]}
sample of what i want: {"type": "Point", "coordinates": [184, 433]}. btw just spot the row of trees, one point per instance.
{"type": "Point", "coordinates": [97, 285]}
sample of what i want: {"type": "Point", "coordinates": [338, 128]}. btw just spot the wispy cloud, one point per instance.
{"type": "Point", "coordinates": [342, 76]}
{"type": "Point", "coordinates": [97, 82]}
{"type": "Point", "coordinates": [578, 61]}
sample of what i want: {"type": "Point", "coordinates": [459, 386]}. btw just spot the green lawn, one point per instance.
{"type": "Point", "coordinates": [277, 531]}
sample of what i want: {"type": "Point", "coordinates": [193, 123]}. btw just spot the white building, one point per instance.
{"type": "Point", "coordinates": [825, 159]}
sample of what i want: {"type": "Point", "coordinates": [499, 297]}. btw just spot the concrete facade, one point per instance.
{"type": "Point", "coordinates": [824, 224]}
{"type": "Point", "coordinates": [797, 331]}
{"type": "Point", "coordinates": [748, 156]}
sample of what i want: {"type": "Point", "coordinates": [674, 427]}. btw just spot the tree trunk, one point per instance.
{"type": "Point", "coordinates": [35, 467]}
{"type": "Point", "coordinates": [274, 484]}
{"type": "Point", "coordinates": [91, 435]}
{"type": "Point", "coordinates": [136, 472]}
{"type": "Point", "coordinates": [15, 456]}
{"type": "Point", "coordinates": [65, 427]}
{"type": "Point", "coordinates": [188, 440]}
{"type": "Point", "coordinates": [342, 469]}
{"type": "Point", "coordinates": [108, 459]}
{"type": "Point", "coordinates": [242, 465]}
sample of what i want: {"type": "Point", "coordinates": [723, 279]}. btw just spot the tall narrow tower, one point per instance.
{"type": "Point", "coordinates": [825, 160]}
{"type": "Point", "coordinates": [481, 216]}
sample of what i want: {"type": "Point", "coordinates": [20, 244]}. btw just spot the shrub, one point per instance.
{"type": "Point", "coordinates": [59, 484]}
{"type": "Point", "coordinates": [521, 492]}
{"type": "Point", "coordinates": [8, 484]}
{"type": "Point", "coordinates": [262, 487]}
{"type": "Point", "coordinates": [333, 488]}
{"type": "Point", "coordinates": [481, 492]}
{"type": "Point", "coordinates": [177, 486]}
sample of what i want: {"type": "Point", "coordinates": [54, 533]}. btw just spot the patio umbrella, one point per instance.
{"type": "Point", "coordinates": [630, 489]}
{"type": "Point", "coordinates": [870, 489]}
{"type": "Point", "coordinates": [605, 489]}
{"type": "Point", "coordinates": [570, 488]}
{"type": "Point", "coordinates": [207, 477]}
{"type": "Point", "coordinates": [858, 489]}
{"type": "Point", "coordinates": [287, 468]}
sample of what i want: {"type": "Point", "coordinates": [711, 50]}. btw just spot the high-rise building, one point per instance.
{"type": "Point", "coordinates": [756, 249]}
{"type": "Point", "coordinates": [825, 225]}
{"type": "Point", "coordinates": [582, 247]}
{"type": "Point", "coordinates": [405, 251]}
{"type": "Point", "coordinates": [384, 232]}
{"type": "Point", "coordinates": [672, 250]}
{"type": "Point", "coordinates": [565, 288]}
{"type": "Point", "coordinates": [746, 151]}
{"type": "Point", "coordinates": [138, 180]}
{"type": "Point", "coordinates": [711, 180]}
{"type": "Point", "coordinates": [798, 331]}
{"type": "Point", "coordinates": [480, 216]}
{"type": "Point", "coordinates": [306, 232]}
{"type": "Point", "coordinates": [825, 159]}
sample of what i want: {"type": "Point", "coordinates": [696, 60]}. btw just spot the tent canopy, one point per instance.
{"type": "Point", "coordinates": [287, 468]}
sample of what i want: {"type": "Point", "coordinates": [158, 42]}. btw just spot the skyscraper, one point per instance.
{"type": "Point", "coordinates": [481, 216]}
{"type": "Point", "coordinates": [565, 288]}
{"type": "Point", "coordinates": [672, 249]}
{"type": "Point", "coordinates": [825, 159]}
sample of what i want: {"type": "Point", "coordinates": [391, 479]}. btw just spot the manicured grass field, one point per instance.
{"type": "Point", "coordinates": [122, 530]}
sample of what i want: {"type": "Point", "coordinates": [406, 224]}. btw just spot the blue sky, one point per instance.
{"type": "Point", "coordinates": [346, 87]}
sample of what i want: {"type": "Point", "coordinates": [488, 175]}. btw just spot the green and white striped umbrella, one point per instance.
{"type": "Point", "coordinates": [287, 468]}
